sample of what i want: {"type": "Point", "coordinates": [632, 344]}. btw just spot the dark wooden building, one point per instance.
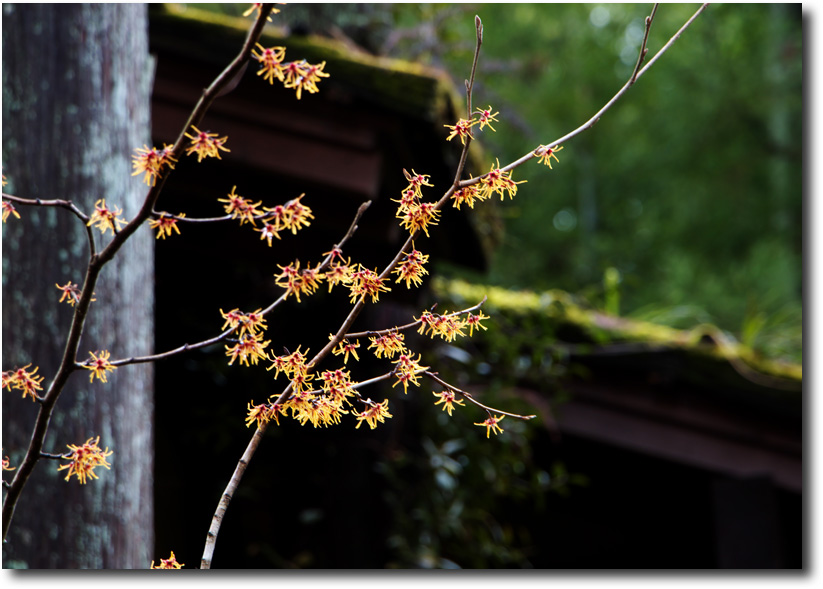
{"type": "Point", "coordinates": [693, 463]}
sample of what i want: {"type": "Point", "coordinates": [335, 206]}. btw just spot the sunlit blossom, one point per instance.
{"type": "Point", "coordinates": [467, 195]}
{"type": "Point", "coordinates": [264, 413]}
{"type": "Point", "coordinates": [84, 459]}
{"type": "Point", "coordinates": [373, 413]}
{"type": "Point", "coordinates": [250, 347]}
{"type": "Point", "coordinates": [296, 281]}
{"type": "Point", "coordinates": [267, 232]}
{"type": "Point", "coordinates": [165, 225]}
{"type": "Point", "coordinates": [416, 182]}
{"type": "Point", "coordinates": [151, 162]}
{"type": "Point", "coordinates": [25, 380]}
{"type": "Point", "coordinates": [474, 321]}
{"type": "Point", "coordinates": [270, 60]}
{"type": "Point", "coordinates": [8, 209]}
{"type": "Point", "coordinates": [99, 365]}
{"type": "Point", "coordinates": [486, 117]}
{"type": "Point", "coordinates": [168, 563]}
{"type": "Point", "coordinates": [461, 129]}
{"type": "Point", "coordinates": [445, 326]}
{"type": "Point", "coordinates": [387, 345]}
{"type": "Point", "coordinates": [301, 75]}
{"type": "Point", "coordinates": [106, 218]}
{"type": "Point", "coordinates": [247, 322]}
{"type": "Point", "coordinates": [289, 364]}
{"type": "Point", "coordinates": [339, 273]}
{"type": "Point", "coordinates": [237, 206]}
{"type": "Point", "coordinates": [500, 182]}
{"type": "Point", "coordinates": [448, 399]}
{"type": "Point", "coordinates": [545, 154]}
{"type": "Point", "coordinates": [407, 370]}
{"type": "Point", "coordinates": [366, 282]}
{"type": "Point", "coordinates": [418, 216]}
{"type": "Point", "coordinates": [346, 347]}
{"type": "Point", "coordinates": [205, 144]}
{"type": "Point", "coordinates": [338, 386]}
{"type": "Point", "coordinates": [294, 215]}
{"type": "Point", "coordinates": [491, 425]}
{"type": "Point", "coordinates": [411, 269]}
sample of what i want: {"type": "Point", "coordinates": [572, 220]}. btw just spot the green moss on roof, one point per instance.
{"type": "Point", "coordinates": [405, 87]}
{"type": "Point", "coordinates": [595, 327]}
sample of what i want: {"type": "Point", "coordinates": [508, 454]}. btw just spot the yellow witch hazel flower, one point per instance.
{"type": "Point", "coordinates": [8, 209]}
{"type": "Point", "coordinates": [545, 154]}
{"type": "Point", "coordinates": [84, 459]}
{"type": "Point", "coordinates": [448, 399]}
{"type": "Point", "coordinates": [387, 345]}
{"type": "Point", "coordinates": [165, 225]}
{"type": "Point", "coordinates": [205, 144]}
{"type": "Point", "coordinates": [302, 75]}
{"type": "Point", "coordinates": [500, 182]}
{"type": "Point", "coordinates": [249, 348]}
{"type": "Point", "coordinates": [237, 206]}
{"type": "Point", "coordinates": [374, 413]}
{"type": "Point", "coordinates": [346, 347]}
{"type": "Point", "coordinates": [168, 563]}
{"type": "Point", "coordinates": [412, 270]}
{"type": "Point", "coordinates": [99, 365]}
{"type": "Point", "coordinates": [491, 425]}
{"type": "Point", "coordinates": [408, 370]}
{"type": "Point", "coordinates": [151, 162]}
{"type": "Point", "coordinates": [106, 218]}
{"type": "Point", "coordinates": [366, 282]}
{"type": "Point", "coordinates": [270, 60]}
{"type": "Point", "coordinates": [24, 380]}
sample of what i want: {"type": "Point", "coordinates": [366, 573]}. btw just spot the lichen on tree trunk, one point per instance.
{"type": "Point", "coordinates": [76, 102]}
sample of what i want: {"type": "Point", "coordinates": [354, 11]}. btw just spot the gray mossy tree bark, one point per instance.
{"type": "Point", "coordinates": [76, 103]}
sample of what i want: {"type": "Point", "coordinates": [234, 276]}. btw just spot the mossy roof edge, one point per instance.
{"type": "Point", "coordinates": [701, 341]}
{"type": "Point", "coordinates": [408, 88]}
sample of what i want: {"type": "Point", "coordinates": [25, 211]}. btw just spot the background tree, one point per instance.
{"type": "Point", "coordinates": [72, 115]}
{"type": "Point", "coordinates": [692, 190]}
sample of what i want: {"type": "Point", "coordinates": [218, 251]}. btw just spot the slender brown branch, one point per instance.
{"type": "Point", "coordinates": [596, 117]}
{"type": "Point", "coordinates": [643, 50]}
{"type": "Point", "coordinates": [478, 26]}
{"type": "Point", "coordinates": [226, 497]}
{"type": "Point", "coordinates": [469, 397]}
{"type": "Point", "coordinates": [66, 204]}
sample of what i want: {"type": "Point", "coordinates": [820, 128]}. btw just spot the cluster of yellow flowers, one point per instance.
{"type": "Point", "coordinates": [298, 75]}
{"type": "Point", "coordinates": [152, 162]}
{"type": "Point", "coordinates": [84, 459]}
{"type": "Point", "coordinates": [23, 379]}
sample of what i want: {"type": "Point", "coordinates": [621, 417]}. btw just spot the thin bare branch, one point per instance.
{"type": "Point", "coordinates": [471, 399]}
{"type": "Point", "coordinates": [596, 117]}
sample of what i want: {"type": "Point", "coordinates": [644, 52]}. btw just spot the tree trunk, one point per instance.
{"type": "Point", "coordinates": [76, 102]}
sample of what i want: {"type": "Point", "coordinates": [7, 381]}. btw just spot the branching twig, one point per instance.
{"type": "Point", "coordinates": [360, 304]}
{"type": "Point", "coordinates": [65, 204]}
{"type": "Point", "coordinates": [469, 397]}
{"type": "Point", "coordinates": [643, 49]}
{"type": "Point", "coordinates": [96, 262]}
{"type": "Point", "coordinates": [596, 117]}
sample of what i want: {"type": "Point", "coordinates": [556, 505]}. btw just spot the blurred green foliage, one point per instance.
{"type": "Point", "coordinates": [690, 187]}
